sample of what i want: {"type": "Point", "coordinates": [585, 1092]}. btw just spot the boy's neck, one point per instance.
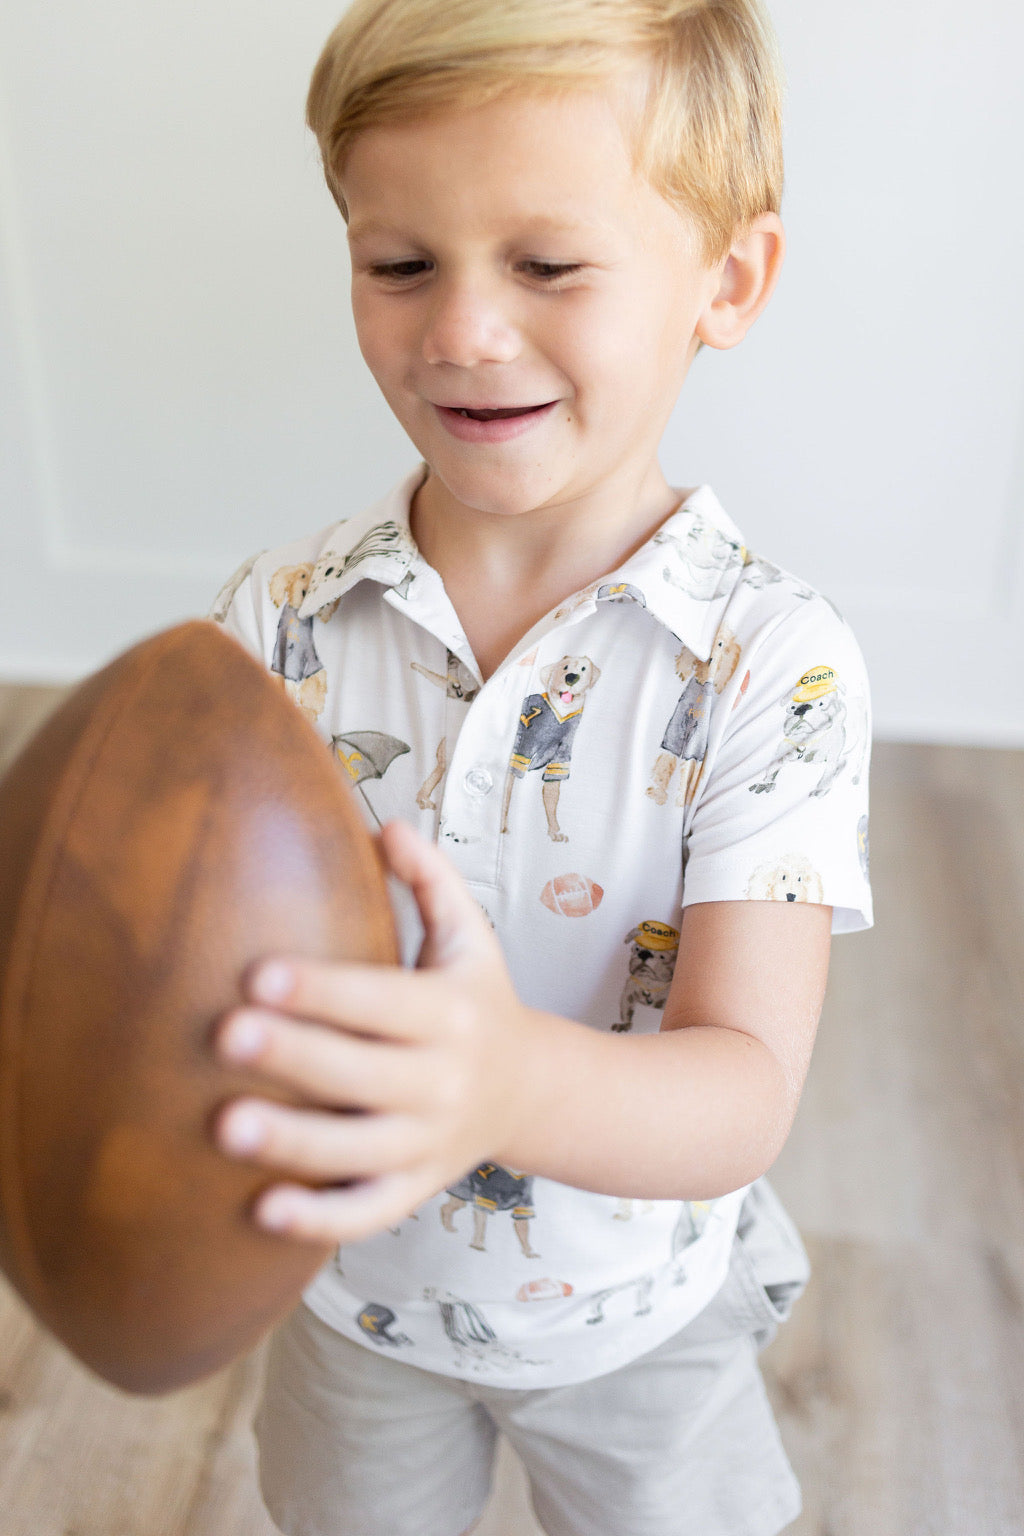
{"type": "Point", "coordinates": [504, 572]}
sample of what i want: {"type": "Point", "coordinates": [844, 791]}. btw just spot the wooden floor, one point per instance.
{"type": "Point", "coordinates": [899, 1382]}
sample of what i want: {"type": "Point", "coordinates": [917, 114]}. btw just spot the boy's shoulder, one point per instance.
{"type": "Point", "coordinates": [699, 577]}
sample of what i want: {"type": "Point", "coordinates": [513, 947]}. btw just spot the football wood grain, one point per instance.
{"type": "Point", "coordinates": [176, 819]}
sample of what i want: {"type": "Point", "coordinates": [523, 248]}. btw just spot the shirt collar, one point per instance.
{"type": "Point", "coordinates": [376, 545]}
{"type": "Point", "coordinates": [686, 572]}
{"type": "Point", "coordinates": [683, 576]}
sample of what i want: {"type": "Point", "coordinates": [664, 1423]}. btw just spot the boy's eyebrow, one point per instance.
{"type": "Point", "coordinates": [368, 229]}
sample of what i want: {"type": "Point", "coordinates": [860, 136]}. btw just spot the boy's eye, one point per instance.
{"type": "Point", "coordinates": [548, 273]}
{"type": "Point", "coordinates": [551, 271]}
{"type": "Point", "coordinates": [399, 269]}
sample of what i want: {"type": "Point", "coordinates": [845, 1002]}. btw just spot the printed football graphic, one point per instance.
{"type": "Point", "coordinates": [543, 1290]}
{"type": "Point", "coordinates": [572, 895]}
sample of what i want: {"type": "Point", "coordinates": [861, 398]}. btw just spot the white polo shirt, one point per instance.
{"type": "Point", "coordinates": [693, 728]}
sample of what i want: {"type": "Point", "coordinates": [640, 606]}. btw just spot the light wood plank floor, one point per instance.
{"type": "Point", "coordinates": [899, 1382]}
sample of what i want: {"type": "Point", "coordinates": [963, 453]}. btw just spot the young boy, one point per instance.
{"type": "Point", "coordinates": [643, 753]}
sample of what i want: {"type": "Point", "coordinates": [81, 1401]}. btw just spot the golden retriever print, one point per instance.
{"type": "Point", "coordinates": [548, 723]}
{"type": "Point", "coordinates": [295, 657]}
{"type": "Point", "coordinates": [790, 878]}
{"type": "Point", "coordinates": [686, 736]}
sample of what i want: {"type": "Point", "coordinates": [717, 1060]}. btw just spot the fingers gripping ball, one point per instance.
{"type": "Point", "coordinates": [173, 822]}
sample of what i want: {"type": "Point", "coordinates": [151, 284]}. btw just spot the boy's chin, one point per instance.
{"type": "Point", "coordinates": [493, 494]}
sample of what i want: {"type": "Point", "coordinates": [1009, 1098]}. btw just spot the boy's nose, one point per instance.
{"type": "Point", "coordinates": [467, 326]}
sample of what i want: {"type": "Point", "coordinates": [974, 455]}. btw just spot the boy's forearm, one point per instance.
{"type": "Point", "coordinates": [687, 1114]}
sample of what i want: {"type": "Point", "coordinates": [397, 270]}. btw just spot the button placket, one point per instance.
{"type": "Point", "coordinates": [471, 813]}
{"type": "Point", "coordinates": [478, 782]}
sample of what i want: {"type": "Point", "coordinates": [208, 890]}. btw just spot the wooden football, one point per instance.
{"type": "Point", "coordinates": [175, 820]}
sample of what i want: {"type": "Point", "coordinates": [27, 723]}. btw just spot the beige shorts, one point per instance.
{"type": "Point", "coordinates": [681, 1442]}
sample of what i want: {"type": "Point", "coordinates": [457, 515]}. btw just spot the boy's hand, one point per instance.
{"type": "Point", "coordinates": [404, 1068]}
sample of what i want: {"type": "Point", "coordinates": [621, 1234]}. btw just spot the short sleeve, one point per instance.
{"type": "Point", "coordinates": [782, 809]}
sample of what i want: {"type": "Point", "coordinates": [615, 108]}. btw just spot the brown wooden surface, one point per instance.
{"type": "Point", "coordinates": [899, 1381]}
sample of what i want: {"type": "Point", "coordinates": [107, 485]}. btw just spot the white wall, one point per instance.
{"type": "Point", "coordinates": [179, 383]}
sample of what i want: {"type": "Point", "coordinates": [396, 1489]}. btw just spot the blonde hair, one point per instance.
{"type": "Point", "coordinates": [710, 136]}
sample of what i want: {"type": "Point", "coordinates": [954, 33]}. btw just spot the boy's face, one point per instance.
{"type": "Point", "coordinates": [509, 259]}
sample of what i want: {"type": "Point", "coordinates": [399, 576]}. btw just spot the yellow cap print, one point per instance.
{"type": "Point", "coordinates": [818, 681]}
{"type": "Point", "coordinates": [657, 936]}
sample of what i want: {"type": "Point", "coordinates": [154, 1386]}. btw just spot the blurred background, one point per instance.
{"type": "Point", "coordinates": [180, 387]}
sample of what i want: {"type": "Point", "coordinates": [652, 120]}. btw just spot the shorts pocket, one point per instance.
{"type": "Point", "coordinates": [768, 1271]}
{"type": "Point", "coordinates": [770, 1260]}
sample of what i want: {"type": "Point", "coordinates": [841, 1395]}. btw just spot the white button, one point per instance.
{"type": "Point", "coordinates": [478, 781]}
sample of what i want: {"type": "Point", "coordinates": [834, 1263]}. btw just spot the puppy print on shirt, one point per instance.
{"type": "Point", "coordinates": [790, 878]}
{"type": "Point", "coordinates": [637, 1291]}
{"type": "Point", "coordinates": [547, 729]}
{"type": "Point", "coordinates": [814, 731]}
{"type": "Point", "coordinates": [223, 600]}
{"type": "Point", "coordinates": [457, 684]}
{"type": "Point", "coordinates": [654, 950]}
{"type": "Point", "coordinates": [600, 592]}
{"type": "Point", "coordinates": [760, 573]}
{"type": "Point", "coordinates": [295, 659]}
{"type": "Point", "coordinates": [382, 543]}
{"type": "Point", "coordinates": [686, 736]}
{"type": "Point", "coordinates": [704, 557]}
{"type": "Point", "coordinates": [476, 1345]}
{"type": "Point", "coordinates": [489, 1189]}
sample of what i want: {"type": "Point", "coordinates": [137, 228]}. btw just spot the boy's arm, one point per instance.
{"type": "Point", "coordinates": [705, 1106]}
{"type": "Point", "coordinates": [421, 1075]}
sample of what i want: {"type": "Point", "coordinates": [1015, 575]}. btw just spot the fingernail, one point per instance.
{"type": "Point", "coordinates": [245, 1036]}
{"type": "Point", "coordinates": [243, 1131]}
{"type": "Point", "coordinates": [277, 1212]}
{"type": "Point", "coordinates": [273, 982]}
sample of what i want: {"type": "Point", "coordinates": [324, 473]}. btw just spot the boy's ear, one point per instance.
{"type": "Point", "coordinates": [748, 280]}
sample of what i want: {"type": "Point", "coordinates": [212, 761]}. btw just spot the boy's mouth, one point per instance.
{"type": "Point", "coordinates": [500, 413]}
{"type": "Point", "coordinates": [492, 424]}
